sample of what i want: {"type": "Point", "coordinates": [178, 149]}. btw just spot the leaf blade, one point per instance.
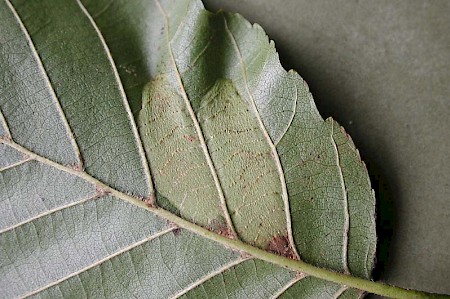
{"type": "Point", "coordinates": [26, 65]}
{"type": "Point", "coordinates": [86, 86]}
{"type": "Point", "coordinates": [188, 9]}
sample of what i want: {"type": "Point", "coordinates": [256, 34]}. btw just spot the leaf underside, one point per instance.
{"type": "Point", "coordinates": [222, 136]}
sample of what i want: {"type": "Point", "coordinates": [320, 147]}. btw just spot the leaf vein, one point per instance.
{"type": "Point", "coordinates": [53, 95]}
{"type": "Point", "coordinates": [269, 141]}
{"type": "Point", "coordinates": [51, 211]}
{"type": "Point", "coordinates": [340, 292]}
{"type": "Point", "coordinates": [291, 119]}
{"type": "Point", "coordinates": [282, 290]}
{"type": "Point", "coordinates": [346, 211]}
{"type": "Point", "coordinates": [208, 277]}
{"type": "Point", "coordinates": [138, 141]}
{"type": "Point", "coordinates": [5, 125]}
{"type": "Point", "coordinates": [99, 262]}
{"type": "Point", "coordinates": [197, 125]}
{"type": "Point", "coordinates": [18, 163]}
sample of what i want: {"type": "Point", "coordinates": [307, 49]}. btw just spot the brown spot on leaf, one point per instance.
{"type": "Point", "coordinates": [300, 275]}
{"type": "Point", "coordinates": [221, 229]}
{"type": "Point", "coordinates": [176, 229]}
{"type": "Point", "coordinates": [171, 224]}
{"type": "Point", "coordinates": [77, 167]}
{"type": "Point", "coordinates": [226, 232]}
{"type": "Point", "coordinates": [150, 201]}
{"type": "Point", "coordinates": [245, 255]}
{"type": "Point", "coordinates": [190, 138]}
{"type": "Point", "coordinates": [280, 245]}
{"type": "Point", "coordinates": [99, 192]}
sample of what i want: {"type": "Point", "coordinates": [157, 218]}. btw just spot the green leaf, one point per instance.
{"type": "Point", "coordinates": [221, 180]}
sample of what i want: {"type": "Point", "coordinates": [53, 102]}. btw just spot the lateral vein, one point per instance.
{"type": "Point", "coordinates": [20, 162]}
{"type": "Point", "coordinates": [291, 119]}
{"type": "Point", "coordinates": [48, 212]}
{"type": "Point", "coordinates": [123, 96]}
{"type": "Point", "coordinates": [53, 95]}
{"type": "Point", "coordinates": [288, 285]}
{"type": "Point", "coordinates": [208, 277]}
{"type": "Point", "coordinates": [273, 149]}
{"type": "Point", "coordinates": [197, 127]}
{"type": "Point", "coordinates": [3, 120]}
{"type": "Point", "coordinates": [340, 292]}
{"type": "Point", "coordinates": [346, 211]}
{"type": "Point", "coordinates": [99, 262]}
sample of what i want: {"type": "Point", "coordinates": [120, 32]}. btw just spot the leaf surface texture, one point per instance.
{"type": "Point", "coordinates": [166, 101]}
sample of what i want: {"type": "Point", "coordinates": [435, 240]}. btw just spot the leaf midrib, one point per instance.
{"type": "Point", "coordinates": [244, 248]}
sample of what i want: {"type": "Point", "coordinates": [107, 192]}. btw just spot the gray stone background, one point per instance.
{"type": "Point", "coordinates": [382, 69]}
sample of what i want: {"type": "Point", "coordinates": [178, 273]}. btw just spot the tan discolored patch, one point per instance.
{"type": "Point", "coordinates": [245, 255]}
{"type": "Point", "coordinates": [190, 138]}
{"type": "Point", "coordinates": [300, 275]}
{"type": "Point", "coordinates": [221, 229]}
{"type": "Point", "coordinates": [5, 138]}
{"type": "Point", "coordinates": [172, 224]}
{"type": "Point", "coordinates": [226, 232]}
{"type": "Point", "coordinates": [99, 192]}
{"type": "Point", "coordinates": [150, 201]}
{"type": "Point", "coordinates": [176, 229]}
{"type": "Point", "coordinates": [77, 167]}
{"type": "Point", "coordinates": [280, 245]}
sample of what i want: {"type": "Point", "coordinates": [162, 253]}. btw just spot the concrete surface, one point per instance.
{"type": "Point", "coordinates": [382, 69]}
